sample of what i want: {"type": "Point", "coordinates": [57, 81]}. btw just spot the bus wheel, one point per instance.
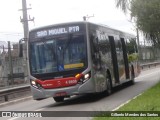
{"type": "Point", "coordinates": [132, 76]}
{"type": "Point", "coordinates": [59, 99]}
{"type": "Point", "coordinates": [109, 85]}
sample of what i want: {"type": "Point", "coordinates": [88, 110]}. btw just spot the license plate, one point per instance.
{"type": "Point", "coordinates": [60, 94]}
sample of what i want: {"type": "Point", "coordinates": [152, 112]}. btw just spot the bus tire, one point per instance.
{"type": "Point", "coordinates": [59, 99]}
{"type": "Point", "coordinates": [108, 85]}
{"type": "Point", "coordinates": [132, 76]}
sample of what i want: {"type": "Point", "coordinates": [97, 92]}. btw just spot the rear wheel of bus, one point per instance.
{"type": "Point", "coordinates": [132, 76]}
{"type": "Point", "coordinates": [108, 84]}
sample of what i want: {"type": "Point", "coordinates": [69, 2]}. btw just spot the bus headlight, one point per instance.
{"type": "Point", "coordinates": [83, 78]}
{"type": "Point", "coordinates": [35, 84]}
{"type": "Point", "coordinates": [86, 76]}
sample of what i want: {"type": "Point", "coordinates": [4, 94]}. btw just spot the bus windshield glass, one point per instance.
{"type": "Point", "coordinates": [58, 54]}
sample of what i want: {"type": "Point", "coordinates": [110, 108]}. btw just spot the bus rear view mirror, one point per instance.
{"type": "Point", "coordinates": [20, 48]}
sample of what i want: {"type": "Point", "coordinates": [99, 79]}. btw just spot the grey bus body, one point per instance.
{"type": "Point", "coordinates": [79, 58]}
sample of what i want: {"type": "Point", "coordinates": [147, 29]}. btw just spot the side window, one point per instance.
{"type": "Point", "coordinates": [119, 51]}
{"type": "Point", "coordinates": [94, 44]}
{"type": "Point", "coordinates": [105, 52]}
{"type": "Point", "coordinates": [95, 53]}
{"type": "Point", "coordinates": [132, 50]}
{"type": "Point", "coordinates": [131, 46]}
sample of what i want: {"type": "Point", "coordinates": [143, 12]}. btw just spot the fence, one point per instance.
{"type": "Point", "coordinates": [148, 54]}
{"type": "Point", "coordinates": [12, 67]}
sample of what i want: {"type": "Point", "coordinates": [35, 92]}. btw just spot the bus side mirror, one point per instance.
{"type": "Point", "coordinates": [20, 48]}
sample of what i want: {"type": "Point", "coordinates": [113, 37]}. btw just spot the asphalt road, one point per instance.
{"type": "Point", "coordinates": [83, 103]}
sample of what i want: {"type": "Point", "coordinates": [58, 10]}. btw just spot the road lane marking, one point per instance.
{"type": "Point", "coordinates": [13, 118]}
{"type": "Point", "coordinates": [127, 102]}
{"type": "Point", "coordinates": [140, 77]}
{"type": "Point", "coordinates": [39, 109]}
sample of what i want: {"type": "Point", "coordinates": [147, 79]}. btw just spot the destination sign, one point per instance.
{"type": "Point", "coordinates": [57, 31]}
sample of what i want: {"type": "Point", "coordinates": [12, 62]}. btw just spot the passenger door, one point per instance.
{"type": "Point", "coordinates": [118, 60]}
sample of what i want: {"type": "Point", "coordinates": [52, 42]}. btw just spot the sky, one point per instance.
{"type": "Point", "coordinates": [48, 12]}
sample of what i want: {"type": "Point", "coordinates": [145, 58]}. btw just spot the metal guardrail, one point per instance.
{"type": "Point", "coordinates": [148, 65]}
{"type": "Point", "coordinates": [8, 91]}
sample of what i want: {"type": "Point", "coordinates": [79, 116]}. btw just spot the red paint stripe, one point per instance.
{"type": "Point", "coordinates": [58, 83]}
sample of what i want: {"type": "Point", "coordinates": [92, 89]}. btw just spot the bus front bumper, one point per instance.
{"type": "Point", "coordinates": [87, 87]}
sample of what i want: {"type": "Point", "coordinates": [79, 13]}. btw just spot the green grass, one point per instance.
{"type": "Point", "coordinates": [148, 101]}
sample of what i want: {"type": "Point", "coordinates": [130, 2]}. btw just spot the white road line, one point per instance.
{"type": "Point", "coordinates": [39, 109]}
{"type": "Point", "coordinates": [13, 118]}
{"type": "Point", "coordinates": [126, 102]}
{"type": "Point", "coordinates": [137, 95]}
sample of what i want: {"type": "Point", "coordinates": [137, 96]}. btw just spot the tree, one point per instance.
{"type": "Point", "coordinates": [146, 14]}
{"type": "Point", "coordinates": [123, 5]}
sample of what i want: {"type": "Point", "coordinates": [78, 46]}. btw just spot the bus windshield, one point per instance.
{"type": "Point", "coordinates": [58, 54]}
